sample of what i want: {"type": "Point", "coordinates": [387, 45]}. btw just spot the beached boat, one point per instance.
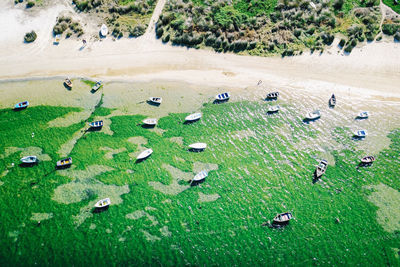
{"type": "Point", "coordinates": [193, 117]}
{"type": "Point", "coordinates": [96, 124]}
{"type": "Point", "coordinates": [360, 133]}
{"type": "Point", "coordinates": [200, 176]}
{"type": "Point", "coordinates": [222, 97]}
{"type": "Point", "coordinates": [103, 203]}
{"type": "Point", "coordinates": [29, 160]}
{"type": "Point", "coordinates": [273, 95]}
{"type": "Point", "coordinates": [332, 101]}
{"type": "Point", "coordinates": [145, 154]}
{"type": "Point", "coordinates": [68, 82]}
{"type": "Point", "coordinates": [64, 163]}
{"type": "Point", "coordinates": [198, 146]}
{"type": "Point", "coordinates": [363, 115]}
{"type": "Point", "coordinates": [57, 39]}
{"type": "Point", "coordinates": [321, 168]}
{"type": "Point", "coordinates": [273, 109]}
{"type": "Point", "coordinates": [283, 217]}
{"type": "Point", "coordinates": [150, 122]}
{"type": "Point", "coordinates": [103, 30]}
{"type": "Point", "coordinates": [21, 105]}
{"type": "Point", "coordinates": [316, 114]}
{"type": "Point", "coordinates": [97, 85]}
{"type": "Point", "coordinates": [155, 100]}
{"type": "Point", "coordinates": [368, 159]}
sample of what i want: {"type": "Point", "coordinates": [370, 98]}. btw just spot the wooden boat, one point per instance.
{"type": "Point", "coordinates": [145, 154]}
{"type": "Point", "coordinates": [96, 124]}
{"type": "Point", "coordinates": [368, 159]}
{"type": "Point", "coordinates": [68, 82]}
{"type": "Point", "coordinates": [103, 30]}
{"type": "Point", "coordinates": [29, 160]}
{"type": "Point", "coordinates": [360, 133]}
{"type": "Point", "coordinates": [222, 97]}
{"type": "Point", "coordinates": [363, 115]}
{"type": "Point", "coordinates": [64, 163]}
{"type": "Point", "coordinates": [273, 95]}
{"type": "Point", "coordinates": [321, 168]}
{"type": "Point", "coordinates": [198, 146]}
{"type": "Point", "coordinates": [273, 109]}
{"type": "Point", "coordinates": [332, 100]}
{"type": "Point", "coordinates": [193, 117]}
{"type": "Point", "coordinates": [200, 176]}
{"type": "Point", "coordinates": [155, 100]}
{"type": "Point", "coordinates": [283, 217]}
{"type": "Point", "coordinates": [316, 114]}
{"type": "Point", "coordinates": [97, 85]}
{"type": "Point", "coordinates": [150, 122]}
{"type": "Point", "coordinates": [21, 105]}
{"type": "Point", "coordinates": [103, 203]}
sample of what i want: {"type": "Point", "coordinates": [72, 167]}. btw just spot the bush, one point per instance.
{"type": "Point", "coordinates": [30, 37]}
{"type": "Point", "coordinates": [390, 29]}
{"type": "Point", "coordinates": [348, 48]}
{"type": "Point", "coordinates": [137, 31]}
{"type": "Point", "coordinates": [397, 37]}
{"type": "Point", "coordinates": [30, 4]}
{"type": "Point", "coordinates": [338, 4]}
{"type": "Point", "coordinates": [342, 42]}
{"type": "Point", "coordinates": [159, 32]}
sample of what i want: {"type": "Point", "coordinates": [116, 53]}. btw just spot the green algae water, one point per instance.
{"type": "Point", "coordinates": [259, 165]}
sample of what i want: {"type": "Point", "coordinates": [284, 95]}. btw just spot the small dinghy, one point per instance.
{"type": "Point", "coordinates": [29, 160]}
{"type": "Point", "coordinates": [103, 30]}
{"type": "Point", "coordinates": [64, 163]}
{"type": "Point", "coordinates": [150, 122]}
{"type": "Point", "coordinates": [57, 39]}
{"type": "Point", "coordinates": [68, 83]}
{"type": "Point", "coordinates": [332, 101]}
{"type": "Point", "coordinates": [21, 105]}
{"type": "Point", "coordinates": [363, 115]}
{"type": "Point", "coordinates": [360, 133]}
{"type": "Point", "coordinates": [222, 97]}
{"type": "Point", "coordinates": [97, 85]}
{"type": "Point", "coordinates": [198, 146]}
{"type": "Point", "coordinates": [283, 217]}
{"type": "Point", "coordinates": [155, 100]}
{"type": "Point", "coordinates": [145, 154]}
{"type": "Point", "coordinates": [96, 124]}
{"type": "Point", "coordinates": [316, 114]}
{"type": "Point", "coordinates": [200, 176]}
{"type": "Point", "coordinates": [321, 168]}
{"type": "Point", "coordinates": [273, 95]}
{"type": "Point", "coordinates": [193, 117]}
{"type": "Point", "coordinates": [273, 109]}
{"type": "Point", "coordinates": [102, 203]}
{"type": "Point", "coordinates": [368, 159]}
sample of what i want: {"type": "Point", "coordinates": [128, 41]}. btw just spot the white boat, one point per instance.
{"type": "Point", "coordinates": [29, 159]}
{"type": "Point", "coordinates": [145, 154]}
{"type": "Point", "coordinates": [316, 114]}
{"type": "Point", "coordinates": [21, 105]}
{"type": "Point", "coordinates": [96, 124]}
{"type": "Point", "coordinates": [155, 100]}
{"type": "Point", "coordinates": [150, 122]}
{"type": "Point", "coordinates": [103, 30]}
{"type": "Point", "coordinates": [321, 168]}
{"type": "Point", "coordinates": [97, 85]}
{"type": "Point", "coordinates": [103, 203]}
{"type": "Point", "coordinates": [273, 109]}
{"type": "Point", "coordinates": [193, 117]}
{"type": "Point", "coordinates": [198, 146]}
{"type": "Point", "coordinates": [57, 39]}
{"type": "Point", "coordinates": [368, 159]}
{"type": "Point", "coordinates": [222, 97]}
{"type": "Point", "coordinates": [363, 115]}
{"type": "Point", "coordinates": [332, 101]}
{"type": "Point", "coordinates": [273, 95]}
{"type": "Point", "coordinates": [360, 133]}
{"type": "Point", "coordinates": [64, 163]}
{"type": "Point", "coordinates": [283, 217]}
{"type": "Point", "coordinates": [68, 83]}
{"type": "Point", "coordinates": [200, 176]}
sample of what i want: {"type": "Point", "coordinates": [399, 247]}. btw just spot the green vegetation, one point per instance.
{"type": "Point", "coordinates": [66, 24]}
{"type": "Point", "coordinates": [30, 37]}
{"type": "Point", "coordinates": [29, 3]}
{"type": "Point", "coordinates": [393, 5]}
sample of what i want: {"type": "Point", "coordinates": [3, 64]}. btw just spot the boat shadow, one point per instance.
{"type": "Point", "coordinates": [195, 150]}
{"type": "Point", "coordinates": [18, 109]}
{"type": "Point", "coordinates": [360, 119]}
{"type": "Point", "coordinates": [151, 103]}
{"type": "Point", "coordinates": [269, 99]}
{"type": "Point", "coordinates": [276, 225]}
{"type": "Point", "coordinates": [63, 167]}
{"type": "Point", "coordinates": [93, 91]}
{"type": "Point", "coordinates": [308, 121]}
{"type": "Point", "coordinates": [357, 138]}
{"type": "Point", "coordinates": [190, 122]}
{"type": "Point", "coordinates": [94, 129]}
{"type": "Point", "coordinates": [196, 183]}
{"type": "Point", "coordinates": [216, 101]}
{"type": "Point", "coordinates": [28, 165]}
{"type": "Point", "coordinates": [67, 87]}
{"type": "Point", "coordinates": [100, 210]}
{"type": "Point", "coordinates": [363, 164]}
{"type": "Point", "coordinates": [146, 126]}
{"type": "Point", "coordinates": [140, 160]}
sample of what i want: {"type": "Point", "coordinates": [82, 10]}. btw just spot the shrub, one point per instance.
{"type": "Point", "coordinates": [137, 31]}
{"type": "Point", "coordinates": [30, 4]}
{"type": "Point", "coordinates": [397, 37]}
{"type": "Point", "coordinates": [390, 29]}
{"type": "Point", "coordinates": [159, 32]}
{"type": "Point", "coordinates": [30, 37]}
{"type": "Point", "coordinates": [342, 42]}
{"type": "Point", "coordinates": [348, 48]}
{"type": "Point", "coordinates": [165, 38]}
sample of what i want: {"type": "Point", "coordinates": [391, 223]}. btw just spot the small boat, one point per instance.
{"type": "Point", "coordinates": [200, 176]}
{"type": "Point", "coordinates": [21, 105]}
{"type": "Point", "coordinates": [222, 97]}
{"type": "Point", "coordinates": [103, 203]}
{"type": "Point", "coordinates": [273, 109]}
{"type": "Point", "coordinates": [64, 163]}
{"type": "Point", "coordinates": [68, 82]}
{"type": "Point", "coordinates": [360, 133]}
{"type": "Point", "coordinates": [29, 160]}
{"type": "Point", "coordinates": [97, 85]}
{"type": "Point", "coordinates": [198, 146]}
{"type": "Point", "coordinates": [145, 154]}
{"type": "Point", "coordinates": [363, 115]}
{"type": "Point", "coordinates": [368, 159]}
{"type": "Point", "coordinates": [57, 39]}
{"type": "Point", "coordinates": [283, 217]}
{"type": "Point", "coordinates": [316, 114]}
{"type": "Point", "coordinates": [321, 168]}
{"type": "Point", "coordinates": [273, 95]}
{"type": "Point", "coordinates": [193, 117]}
{"type": "Point", "coordinates": [332, 100]}
{"type": "Point", "coordinates": [155, 100]}
{"type": "Point", "coordinates": [150, 122]}
{"type": "Point", "coordinates": [103, 30]}
{"type": "Point", "coordinates": [96, 124]}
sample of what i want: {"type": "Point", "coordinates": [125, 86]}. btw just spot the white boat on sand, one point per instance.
{"type": "Point", "coordinates": [273, 109]}
{"type": "Point", "coordinates": [103, 203]}
{"type": "Point", "coordinates": [321, 168]}
{"type": "Point", "coordinates": [198, 146]}
{"type": "Point", "coordinates": [222, 97]}
{"type": "Point", "coordinates": [103, 30]}
{"type": "Point", "coordinates": [145, 154]}
{"type": "Point", "coordinates": [21, 105]}
{"type": "Point", "coordinates": [313, 115]}
{"type": "Point", "coordinates": [193, 117]}
{"type": "Point", "coordinates": [29, 160]}
{"type": "Point", "coordinates": [283, 217]}
{"type": "Point", "coordinates": [155, 100]}
{"type": "Point", "coordinates": [360, 133]}
{"type": "Point", "coordinates": [96, 124]}
{"type": "Point", "coordinates": [200, 176]}
{"type": "Point", "coordinates": [150, 122]}
{"type": "Point", "coordinates": [97, 85]}
{"type": "Point", "coordinates": [363, 115]}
